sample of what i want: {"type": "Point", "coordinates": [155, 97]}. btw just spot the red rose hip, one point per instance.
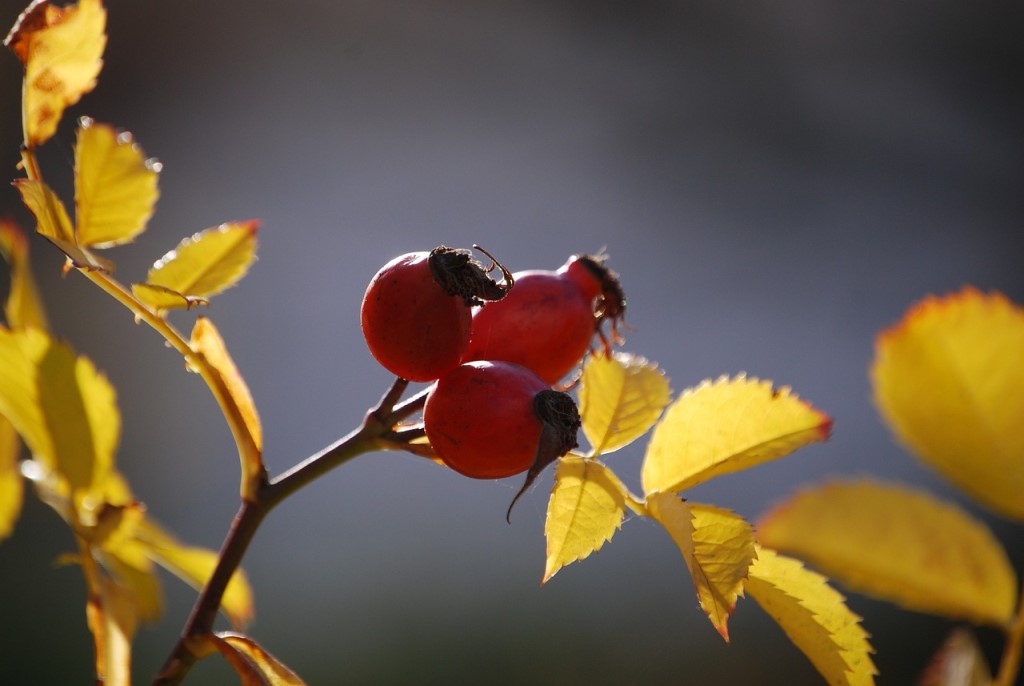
{"type": "Point", "coordinates": [481, 420]}
{"type": "Point", "coordinates": [547, 323]}
{"type": "Point", "coordinates": [416, 314]}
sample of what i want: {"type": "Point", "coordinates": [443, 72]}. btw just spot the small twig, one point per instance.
{"type": "Point", "coordinates": [386, 405]}
{"type": "Point", "coordinates": [200, 621]}
{"type": "Point", "coordinates": [407, 434]}
{"type": "Point", "coordinates": [374, 434]}
{"type": "Point", "coordinates": [408, 408]}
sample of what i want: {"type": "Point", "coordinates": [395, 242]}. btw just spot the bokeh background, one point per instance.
{"type": "Point", "coordinates": [775, 183]}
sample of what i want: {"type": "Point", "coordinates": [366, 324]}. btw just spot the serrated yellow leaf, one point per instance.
{"type": "Point", "coordinates": [724, 427]}
{"type": "Point", "coordinates": [62, 50]}
{"type": "Point", "coordinates": [113, 622]}
{"type": "Point", "coordinates": [204, 264]}
{"type": "Point", "coordinates": [11, 484]}
{"type": "Point", "coordinates": [63, 408]}
{"type": "Point", "coordinates": [718, 547]}
{"type": "Point", "coordinates": [948, 379]}
{"type": "Point", "coordinates": [23, 307]}
{"type": "Point", "coordinates": [254, 665]}
{"type": "Point", "coordinates": [587, 505]}
{"type": "Point", "coordinates": [621, 396]}
{"type": "Point", "coordinates": [899, 545]}
{"type": "Point", "coordinates": [959, 662]}
{"type": "Point", "coordinates": [814, 617]}
{"type": "Point", "coordinates": [236, 401]}
{"type": "Point", "coordinates": [194, 566]}
{"type": "Point", "coordinates": [53, 223]}
{"type": "Point", "coordinates": [115, 186]}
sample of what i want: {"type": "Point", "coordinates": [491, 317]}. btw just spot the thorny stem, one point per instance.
{"type": "Point", "coordinates": [377, 432]}
{"type": "Point", "coordinates": [1009, 667]}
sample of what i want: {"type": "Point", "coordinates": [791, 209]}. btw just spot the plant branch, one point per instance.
{"type": "Point", "coordinates": [118, 292]}
{"type": "Point", "coordinates": [196, 360]}
{"type": "Point", "coordinates": [407, 408]}
{"type": "Point", "coordinates": [371, 435]}
{"type": "Point", "coordinates": [366, 439]}
{"type": "Point", "coordinates": [30, 163]}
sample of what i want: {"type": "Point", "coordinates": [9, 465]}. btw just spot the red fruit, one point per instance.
{"type": "Point", "coordinates": [481, 420]}
{"type": "Point", "coordinates": [548, 321]}
{"type": "Point", "coordinates": [416, 312]}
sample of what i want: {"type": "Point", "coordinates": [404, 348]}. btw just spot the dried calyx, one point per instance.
{"type": "Point", "coordinates": [610, 304]}
{"type": "Point", "coordinates": [560, 422]}
{"type": "Point", "coordinates": [460, 275]}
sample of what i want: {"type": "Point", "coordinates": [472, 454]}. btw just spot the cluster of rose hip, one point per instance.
{"type": "Point", "coordinates": [494, 350]}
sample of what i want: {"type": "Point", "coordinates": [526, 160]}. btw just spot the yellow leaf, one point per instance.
{"type": "Point", "coordinates": [115, 186]}
{"type": "Point", "coordinates": [161, 298]}
{"type": "Point", "coordinates": [63, 408]}
{"type": "Point", "coordinates": [724, 427]}
{"type": "Point", "coordinates": [236, 401]}
{"type": "Point", "coordinates": [19, 392]}
{"type": "Point", "coordinates": [24, 307]}
{"type": "Point", "coordinates": [62, 50]}
{"type": "Point", "coordinates": [109, 525]}
{"type": "Point", "coordinates": [254, 665]}
{"type": "Point", "coordinates": [11, 485]}
{"type": "Point", "coordinates": [112, 621]}
{"type": "Point", "coordinates": [107, 519]}
{"type": "Point", "coordinates": [194, 566]}
{"type": "Point", "coordinates": [204, 264]}
{"type": "Point", "coordinates": [134, 572]}
{"type": "Point", "coordinates": [586, 507]}
{"type": "Point", "coordinates": [80, 411]}
{"type": "Point", "coordinates": [959, 662]}
{"type": "Point", "coordinates": [948, 380]}
{"type": "Point", "coordinates": [718, 547]}
{"type": "Point", "coordinates": [899, 545]}
{"type": "Point", "coordinates": [53, 223]}
{"type": "Point", "coordinates": [814, 617]}
{"type": "Point", "coordinates": [52, 220]}
{"type": "Point", "coordinates": [621, 397]}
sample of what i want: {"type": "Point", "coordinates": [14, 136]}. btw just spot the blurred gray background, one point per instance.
{"type": "Point", "coordinates": [775, 182]}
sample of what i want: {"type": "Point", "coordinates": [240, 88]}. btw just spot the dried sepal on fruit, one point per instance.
{"type": "Point", "coordinates": [560, 423]}
{"type": "Point", "coordinates": [459, 274]}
